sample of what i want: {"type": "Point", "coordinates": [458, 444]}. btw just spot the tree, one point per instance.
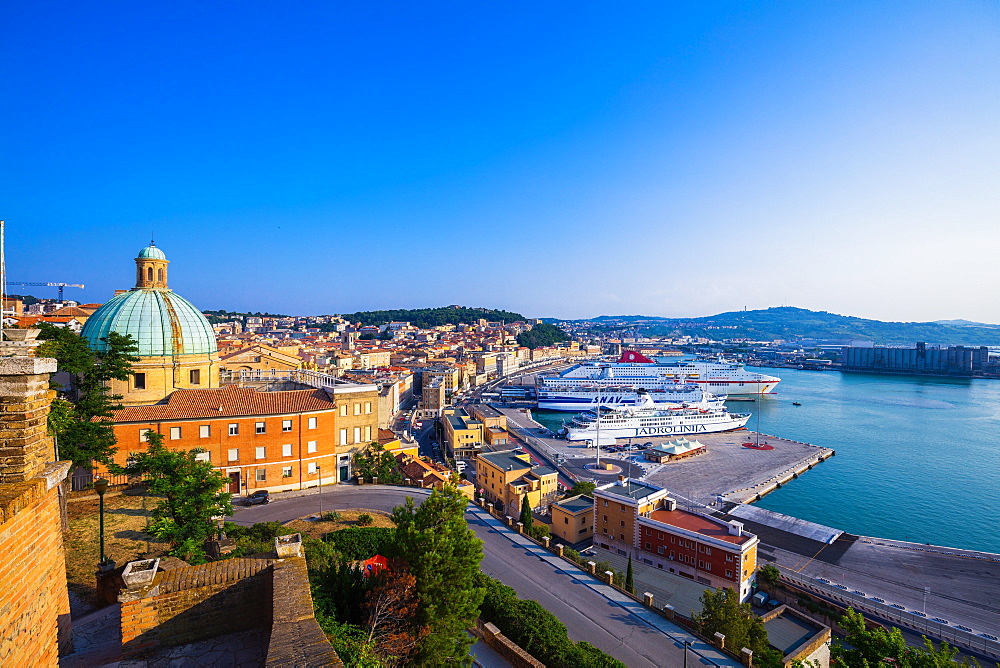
{"type": "Point", "coordinates": [526, 519]}
{"type": "Point", "coordinates": [191, 491]}
{"type": "Point", "coordinates": [80, 420]}
{"type": "Point", "coordinates": [391, 607]}
{"type": "Point", "coordinates": [586, 488]}
{"type": "Point", "coordinates": [879, 646]}
{"type": "Point", "coordinates": [722, 612]}
{"type": "Point", "coordinates": [541, 335]}
{"type": "Point", "coordinates": [629, 577]}
{"type": "Point", "coordinates": [444, 555]}
{"type": "Point", "coordinates": [375, 462]}
{"type": "Point", "coordinates": [769, 575]}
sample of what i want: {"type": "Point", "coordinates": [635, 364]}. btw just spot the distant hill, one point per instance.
{"type": "Point", "coordinates": [790, 323]}
{"type": "Point", "coordinates": [431, 317]}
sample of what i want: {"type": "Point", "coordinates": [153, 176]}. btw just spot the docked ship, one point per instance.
{"type": "Point", "coordinates": [647, 419]}
{"type": "Point", "coordinates": [638, 371]}
{"type": "Point", "coordinates": [583, 395]}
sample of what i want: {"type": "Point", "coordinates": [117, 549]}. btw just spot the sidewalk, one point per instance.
{"type": "Point", "coordinates": [675, 633]}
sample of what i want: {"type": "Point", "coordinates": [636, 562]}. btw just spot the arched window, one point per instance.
{"type": "Point", "coordinates": [149, 274]}
{"type": "Point", "coordinates": [159, 275]}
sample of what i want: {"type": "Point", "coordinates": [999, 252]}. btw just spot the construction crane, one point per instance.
{"type": "Point", "coordinates": [50, 285]}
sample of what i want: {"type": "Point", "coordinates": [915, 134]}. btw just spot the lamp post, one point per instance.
{"type": "Point", "coordinates": [319, 470]}
{"type": "Point", "coordinates": [687, 643]}
{"type": "Point", "coordinates": [101, 485]}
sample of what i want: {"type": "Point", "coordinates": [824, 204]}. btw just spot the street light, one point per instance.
{"type": "Point", "coordinates": [687, 643]}
{"type": "Point", "coordinates": [319, 470]}
{"type": "Point", "coordinates": [101, 485]}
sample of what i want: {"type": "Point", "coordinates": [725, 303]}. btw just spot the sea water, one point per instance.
{"type": "Point", "coordinates": [918, 458]}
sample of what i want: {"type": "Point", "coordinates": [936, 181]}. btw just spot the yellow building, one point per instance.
{"type": "Point", "coordinates": [177, 348]}
{"type": "Point", "coordinates": [463, 434]}
{"type": "Point", "coordinates": [506, 477]}
{"type": "Point", "coordinates": [259, 358]}
{"type": "Point", "coordinates": [573, 519]}
{"type": "Point", "coordinates": [616, 507]}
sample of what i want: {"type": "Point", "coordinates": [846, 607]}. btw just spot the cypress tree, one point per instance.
{"type": "Point", "coordinates": [526, 518]}
{"type": "Point", "coordinates": [629, 582]}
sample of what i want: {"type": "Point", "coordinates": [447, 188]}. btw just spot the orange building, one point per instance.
{"type": "Point", "coordinates": [636, 517]}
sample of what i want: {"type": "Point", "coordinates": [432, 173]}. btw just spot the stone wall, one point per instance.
{"type": "Point", "coordinates": [34, 603]}
{"type": "Point", "coordinates": [187, 605]}
{"type": "Point", "coordinates": [296, 638]}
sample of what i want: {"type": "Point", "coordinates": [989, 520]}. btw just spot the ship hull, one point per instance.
{"type": "Point", "coordinates": [678, 426]}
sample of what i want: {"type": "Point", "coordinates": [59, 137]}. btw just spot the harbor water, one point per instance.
{"type": "Point", "coordinates": [918, 458]}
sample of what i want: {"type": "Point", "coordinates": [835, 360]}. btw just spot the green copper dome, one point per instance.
{"type": "Point", "coordinates": [151, 252]}
{"type": "Point", "coordinates": [160, 321]}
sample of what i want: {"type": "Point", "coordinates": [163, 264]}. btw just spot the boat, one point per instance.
{"type": "Point", "coordinates": [632, 369]}
{"type": "Point", "coordinates": [648, 419]}
{"type": "Point", "coordinates": [795, 403]}
{"type": "Point", "coordinates": [585, 395]}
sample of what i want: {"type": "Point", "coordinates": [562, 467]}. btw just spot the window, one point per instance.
{"type": "Point", "coordinates": [203, 457]}
{"type": "Point", "coordinates": [701, 564]}
{"type": "Point", "coordinates": [234, 454]}
{"type": "Point", "coordinates": [343, 410]}
{"type": "Point", "coordinates": [357, 409]}
{"type": "Point", "coordinates": [139, 381]}
{"type": "Point", "coordinates": [368, 433]}
{"type": "Point", "coordinates": [708, 550]}
{"type": "Point", "coordinates": [311, 446]}
{"type": "Point", "coordinates": [659, 534]}
{"type": "Point", "coordinates": [159, 275]}
{"type": "Point", "coordinates": [605, 518]}
{"type": "Point", "coordinates": [368, 407]}
{"type": "Point", "coordinates": [357, 434]}
{"type": "Point", "coordinates": [343, 437]}
{"type": "Point", "coordinates": [261, 452]}
{"type": "Point", "coordinates": [659, 549]}
{"type": "Point", "coordinates": [234, 429]}
{"type": "Point", "coordinates": [605, 503]}
{"type": "Point", "coordinates": [729, 574]}
{"type": "Point", "coordinates": [261, 475]}
{"type": "Point", "coordinates": [204, 431]}
{"type": "Point", "coordinates": [175, 433]}
{"type": "Point", "coordinates": [286, 425]}
{"type": "Point", "coordinates": [648, 546]}
{"type": "Point", "coordinates": [565, 520]}
{"type": "Point", "coordinates": [286, 450]}
{"type": "Point", "coordinates": [194, 375]}
{"type": "Point", "coordinates": [312, 468]}
{"type": "Point", "coordinates": [143, 435]}
{"type": "Point", "coordinates": [149, 273]}
{"type": "Point", "coordinates": [708, 565]}
{"type": "Point", "coordinates": [673, 539]}
{"type": "Point", "coordinates": [312, 423]}
{"type": "Point", "coordinates": [621, 523]}
{"type": "Point", "coordinates": [260, 427]}
{"type": "Point", "coordinates": [286, 471]}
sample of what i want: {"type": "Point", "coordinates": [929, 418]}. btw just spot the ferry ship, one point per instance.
{"type": "Point", "coordinates": [638, 371]}
{"type": "Point", "coordinates": [584, 395]}
{"type": "Point", "coordinates": [649, 420]}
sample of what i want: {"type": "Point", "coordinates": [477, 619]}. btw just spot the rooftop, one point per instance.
{"type": "Point", "coordinates": [786, 633]}
{"type": "Point", "coordinates": [576, 504]}
{"type": "Point", "coordinates": [506, 460]}
{"type": "Point", "coordinates": [700, 524]}
{"type": "Point", "coordinates": [632, 489]}
{"type": "Point", "coordinates": [228, 401]}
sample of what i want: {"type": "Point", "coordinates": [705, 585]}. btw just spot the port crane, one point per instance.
{"type": "Point", "coordinates": [50, 285]}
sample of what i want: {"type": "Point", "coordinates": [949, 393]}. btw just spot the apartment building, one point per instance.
{"type": "Point", "coordinates": [507, 476]}
{"type": "Point", "coordinates": [638, 518]}
{"type": "Point", "coordinates": [573, 519]}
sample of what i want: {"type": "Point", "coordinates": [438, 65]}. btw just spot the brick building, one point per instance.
{"type": "Point", "coordinates": [278, 440]}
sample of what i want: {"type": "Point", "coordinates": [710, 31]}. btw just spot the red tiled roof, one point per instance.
{"type": "Point", "coordinates": [699, 524]}
{"type": "Point", "coordinates": [229, 401]}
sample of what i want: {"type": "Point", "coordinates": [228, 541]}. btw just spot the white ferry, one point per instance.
{"type": "Point", "coordinates": [584, 395]}
{"type": "Point", "coordinates": [650, 420]}
{"type": "Point", "coordinates": [636, 370]}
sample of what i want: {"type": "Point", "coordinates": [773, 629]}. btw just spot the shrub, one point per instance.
{"type": "Point", "coordinates": [364, 520]}
{"type": "Point", "coordinates": [540, 531]}
{"type": "Point", "coordinates": [356, 543]}
{"type": "Point", "coordinates": [330, 516]}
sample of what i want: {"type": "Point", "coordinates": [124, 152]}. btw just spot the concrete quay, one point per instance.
{"type": "Point", "coordinates": [726, 469]}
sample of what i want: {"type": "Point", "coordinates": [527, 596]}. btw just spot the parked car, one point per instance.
{"type": "Point", "coordinates": [963, 628]}
{"type": "Point", "coordinates": [940, 620]}
{"type": "Point", "coordinates": [989, 636]}
{"type": "Point", "coordinates": [261, 496]}
{"type": "Point", "coordinates": [897, 606]}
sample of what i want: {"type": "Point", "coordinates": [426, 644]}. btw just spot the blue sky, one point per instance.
{"type": "Point", "coordinates": [566, 160]}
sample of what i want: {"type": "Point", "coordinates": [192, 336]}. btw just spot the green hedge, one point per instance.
{"type": "Point", "coordinates": [536, 630]}
{"type": "Point", "coordinates": [363, 542]}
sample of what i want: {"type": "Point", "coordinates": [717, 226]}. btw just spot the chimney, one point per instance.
{"type": "Point", "coordinates": [736, 528]}
{"type": "Point", "coordinates": [622, 479]}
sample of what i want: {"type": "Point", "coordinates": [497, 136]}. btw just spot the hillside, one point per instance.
{"type": "Point", "coordinates": [431, 317]}
{"type": "Point", "coordinates": [792, 323]}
